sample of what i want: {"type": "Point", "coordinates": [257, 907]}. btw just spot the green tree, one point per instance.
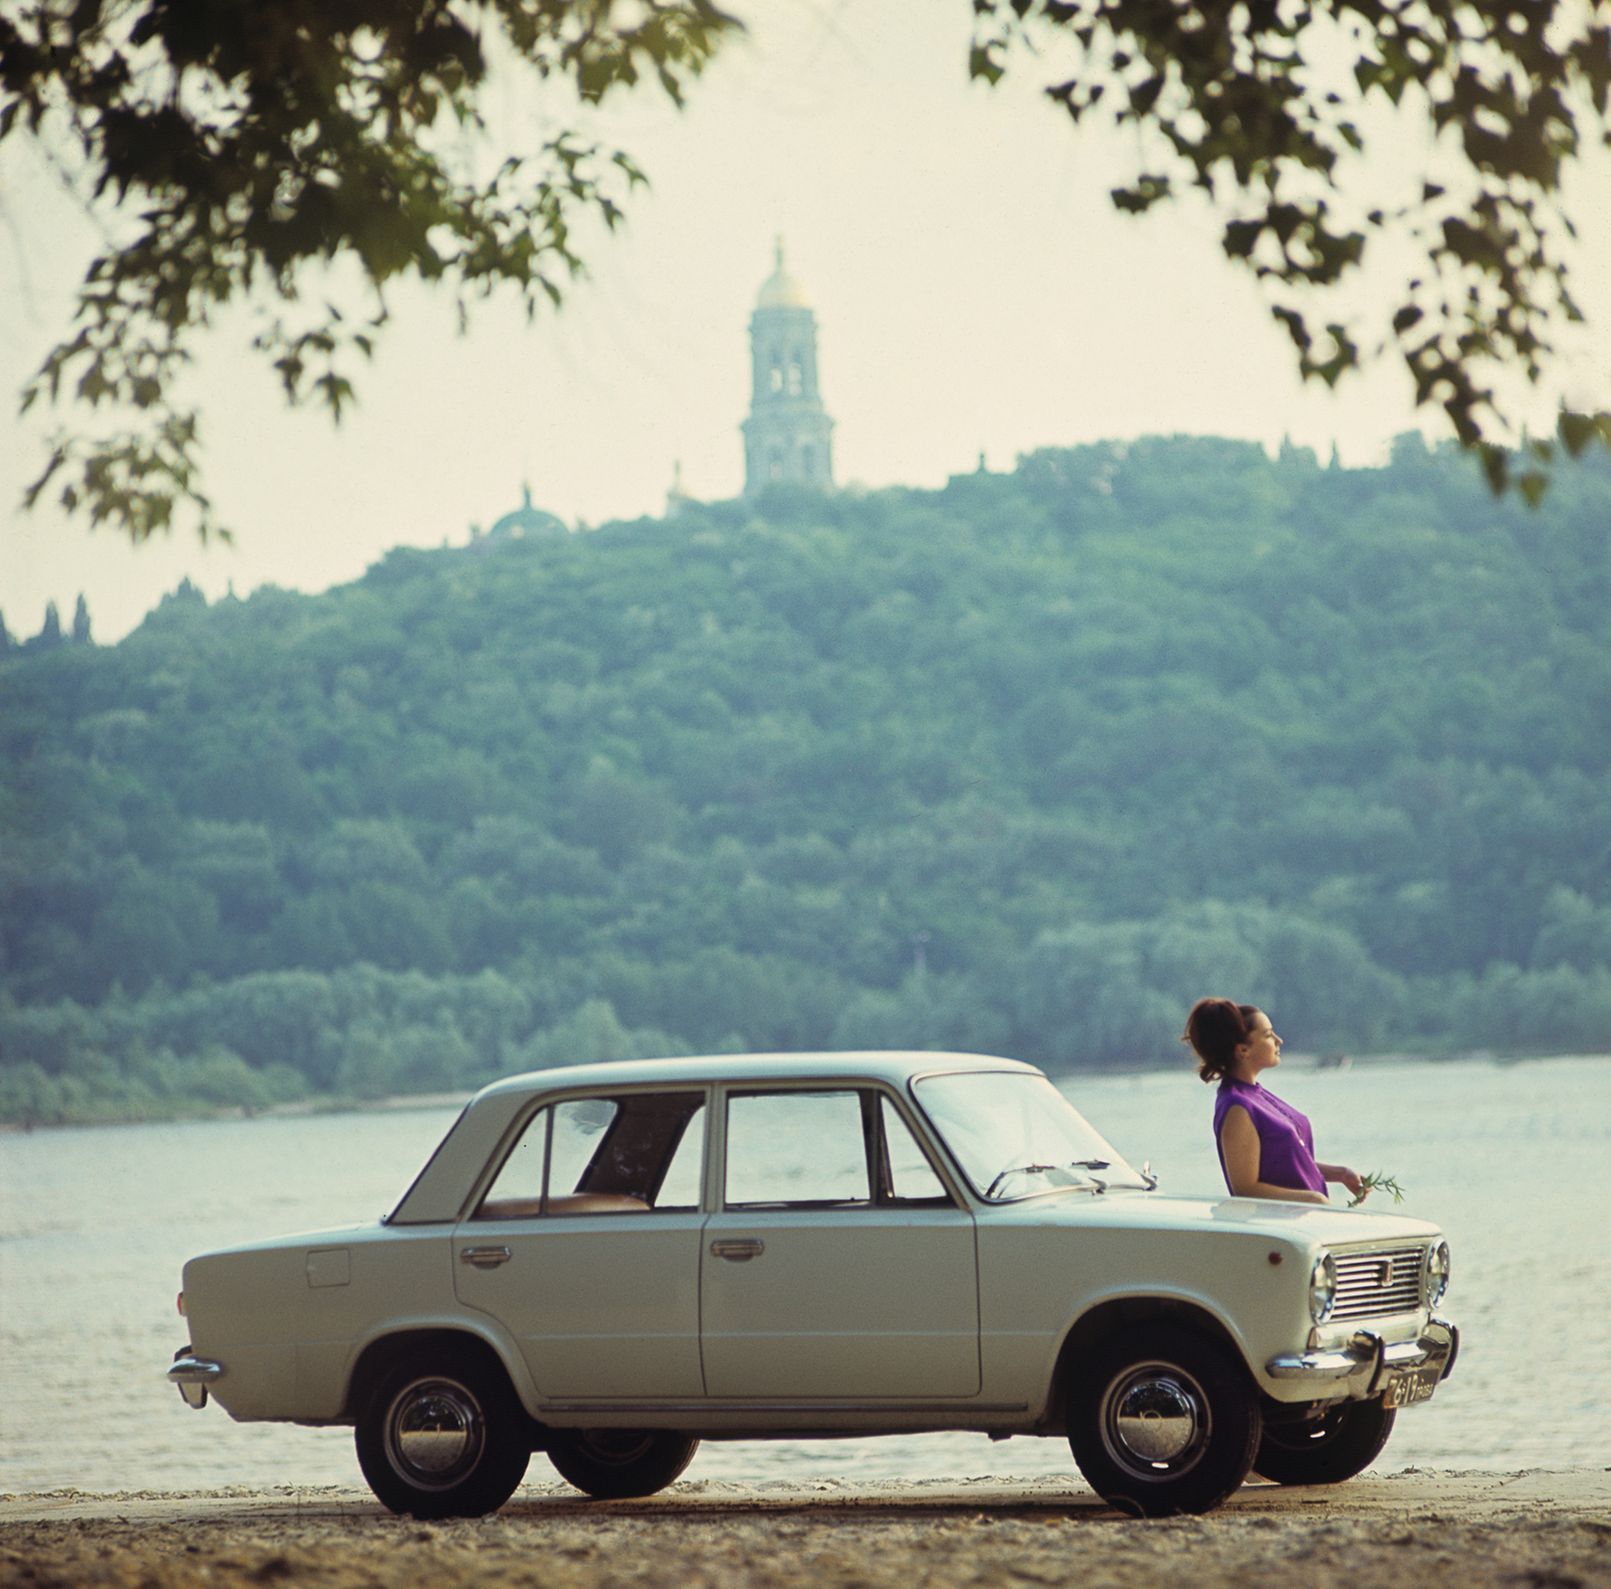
{"type": "Point", "coordinates": [50, 631]}
{"type": "Point", "coordinates": [28, 1096]}
{"type": "Point", "coordinates": [150, 925]}
{"type": "Point", "coordinates": [593, 1032]}
{"type": "Point", "coordinates": [925, 1011]}
{"type": "Point", "coordinates": [1574, 931]}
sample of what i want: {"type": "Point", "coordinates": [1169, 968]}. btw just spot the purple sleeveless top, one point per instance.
{"type": "Point", "coordinates": [1286, 1139]}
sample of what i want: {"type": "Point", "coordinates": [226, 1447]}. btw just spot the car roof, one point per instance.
{"type": "Point", "coordinates": [892, 1065]}
{"type": "Point", "coordinates": [439, 1191]}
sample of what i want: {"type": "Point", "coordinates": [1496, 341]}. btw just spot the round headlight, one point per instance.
{"type": "Point", "coordinates": [1322, 1288]}
{"type": "Point", "coordinates": [1435, 1274]}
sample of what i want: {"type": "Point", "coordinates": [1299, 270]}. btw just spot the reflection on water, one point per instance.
{"type": "Point", "coordinates": [1513, 1161]}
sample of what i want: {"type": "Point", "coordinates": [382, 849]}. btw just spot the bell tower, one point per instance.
{"type": "Point", "coordinates": [788, 437]}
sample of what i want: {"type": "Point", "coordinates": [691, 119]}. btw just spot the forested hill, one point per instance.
{"type": "Point", "coordinates": [1022, 765]}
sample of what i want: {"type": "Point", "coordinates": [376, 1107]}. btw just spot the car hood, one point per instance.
{"type": "Point", "coordinates": [1309, 1223]}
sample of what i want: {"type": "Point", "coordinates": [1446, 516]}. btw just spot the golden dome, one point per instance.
{"type": "Point", "coordinates": [780, 290]}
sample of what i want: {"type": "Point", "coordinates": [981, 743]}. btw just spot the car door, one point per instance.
{"type": "Point", "coordinates": [837, 1265]}
{"type": "Point", "coordinates": [586, 1247]}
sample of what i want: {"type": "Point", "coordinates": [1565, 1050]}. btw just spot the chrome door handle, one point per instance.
{"type": "Point", "coordinates": [737, 1251]}
{"type": "Point", "coordinates": [485, 1257]}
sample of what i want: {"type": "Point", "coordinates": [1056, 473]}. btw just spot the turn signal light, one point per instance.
{"type": "Point", "coordinates": [179, 1302]}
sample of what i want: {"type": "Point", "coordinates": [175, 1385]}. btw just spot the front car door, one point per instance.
{"type": "Point", "coordinates": [586, 1246]}
{"type": "Point", "coordinates": [837, 1265]}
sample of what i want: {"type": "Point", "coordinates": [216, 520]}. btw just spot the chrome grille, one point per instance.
{"type": "Point", "coordinates": [1371, 1283]}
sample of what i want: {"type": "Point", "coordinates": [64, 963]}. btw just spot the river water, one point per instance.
{"type": "Point", "coordinates": [1513, 1160]}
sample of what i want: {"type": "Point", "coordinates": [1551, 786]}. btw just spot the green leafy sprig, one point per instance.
{"type": "Point", "coordinates": [1377, 1181]}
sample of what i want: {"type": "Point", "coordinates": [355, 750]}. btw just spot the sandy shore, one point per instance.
{"type": "Point", "coordinates": [1543, 1530]}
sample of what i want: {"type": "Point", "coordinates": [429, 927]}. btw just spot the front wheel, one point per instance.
{"type": "Point", "coordinates": [442, 1436]}
{"type": "Point", "coordinates": [620, 1464]}
{"type": "Point", "coordinates": [1164, 1420]}
{"type": "Point", "coordinates": [1344, 1441]}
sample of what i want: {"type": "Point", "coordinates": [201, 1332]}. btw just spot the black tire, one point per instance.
{"type": "Point", "coordinates": [1163, 1420]}
{"type": "Point", "coordinates": [618, 1464]}
{"type": "Point", "coordinates": [443, 1436]}
{"type": "Point", "coordinates": [1343, 1442]}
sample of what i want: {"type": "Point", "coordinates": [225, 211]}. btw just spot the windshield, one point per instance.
{"type": "Point", "coordinates": [1015, 1135]}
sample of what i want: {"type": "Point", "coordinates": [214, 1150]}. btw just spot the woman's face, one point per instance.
{"type": "Point", "coordinates": [1262, 1048]}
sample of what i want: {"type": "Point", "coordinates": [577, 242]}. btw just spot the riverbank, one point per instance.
{"type": "Point", "coordinates": [94, 1112]}
{"type": "Point", "coordinates": [1489, 1529]}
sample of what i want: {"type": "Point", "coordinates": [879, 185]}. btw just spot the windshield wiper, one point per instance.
{"type": "Point", "coordinates": [1043, 1169]}
{"type": "Point", "coordinates": [1017, 1169]}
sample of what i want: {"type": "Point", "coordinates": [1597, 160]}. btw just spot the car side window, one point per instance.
{"type": "Point", "coordinates": [785, 1149]}
{"type": "Point", "coordinates": [684, 1184]}
{"type": "Point", "coordinates": [605, 1155]}
{"type": "Point", "coordinates": [911, 1176]}
{"type": "Point", "coordinates": [579, 1128]}
{"type": "Point", "coordinates": [517, 1192]}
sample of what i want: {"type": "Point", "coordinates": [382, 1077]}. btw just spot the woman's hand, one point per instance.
{"type": "Point", "coordinates": [1349, 1178]}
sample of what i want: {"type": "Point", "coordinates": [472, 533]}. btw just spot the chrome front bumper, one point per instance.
{"type": "Point", "coordinates": [193, 1375]}
{"type": "Point", "coordinates": [1360, 1368]}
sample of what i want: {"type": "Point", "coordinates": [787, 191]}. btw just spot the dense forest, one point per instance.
{"type": "Point", "coordinates": [1020, 765]}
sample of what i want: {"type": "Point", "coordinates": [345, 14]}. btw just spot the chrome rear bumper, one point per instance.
{"type": "Point", "coordinates": [193, 1375]}
{"type": "Point", "coordinates": [1358, 1368]}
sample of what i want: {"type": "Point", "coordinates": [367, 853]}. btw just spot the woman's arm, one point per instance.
{"type": "Point", "coordinates": [1239, 1146]}
{"type": "Point", "coordinates": [1347, 1177]}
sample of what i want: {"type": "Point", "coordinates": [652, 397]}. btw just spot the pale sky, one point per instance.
{"type": "Point", "coordinates": [974, 292]}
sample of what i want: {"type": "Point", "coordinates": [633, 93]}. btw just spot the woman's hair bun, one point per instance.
{"type": "Point", "coordinates": [1215, 1028]}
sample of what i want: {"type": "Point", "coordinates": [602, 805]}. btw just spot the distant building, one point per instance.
{"type": "Point", "coordinates": [677, 498]}
{"type": "Point", "coordinates": [526, 520]}
{"type": "Point", "coordinates": [788, 437]}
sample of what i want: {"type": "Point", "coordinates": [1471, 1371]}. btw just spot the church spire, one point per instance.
{"type": "Point", "coordinates": [788, 436]}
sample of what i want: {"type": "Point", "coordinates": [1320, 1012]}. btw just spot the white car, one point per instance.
{"type": "Point", "coordinates": [609, 1262]}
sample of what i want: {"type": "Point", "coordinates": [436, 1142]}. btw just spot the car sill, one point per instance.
{"type": "Point", "coordinates": [739, 1404]}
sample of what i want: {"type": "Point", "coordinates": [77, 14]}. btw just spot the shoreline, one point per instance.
{"type": "Point", "coordinates": [1544, 1492]}
{"type": "Point", "coordinates": [331, 1104]}
{"type": "Point", "coordinates": [1533, 1526]}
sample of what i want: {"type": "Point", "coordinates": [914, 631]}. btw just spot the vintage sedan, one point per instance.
{"type": "Point", "coordinates": [609, 1263]}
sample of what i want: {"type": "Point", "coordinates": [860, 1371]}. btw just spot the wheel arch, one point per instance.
{"type": "Point", "coordinates": [379, 1356]}
{"type": "Point", "coordinates": [1113, 1316]}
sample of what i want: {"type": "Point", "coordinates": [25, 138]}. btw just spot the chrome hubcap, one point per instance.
{"type": "Point", "coordinates": [1155, 1420]}
{"type": "Point", "coordinates": [434, 1433]}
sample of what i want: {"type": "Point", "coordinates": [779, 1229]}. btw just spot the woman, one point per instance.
{"type": "Point", "coordinates": [1266, 1148]}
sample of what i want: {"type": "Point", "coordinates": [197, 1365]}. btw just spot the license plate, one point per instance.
{"type": "Point", "coordinates": [1404, 1390]}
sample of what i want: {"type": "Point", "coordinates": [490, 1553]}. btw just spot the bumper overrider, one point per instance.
{"type": "Point", "coordinates": [193, 1375]}
{"type": "Point", "coordinates": [1367, 1366]}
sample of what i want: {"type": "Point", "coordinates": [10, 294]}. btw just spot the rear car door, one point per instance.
{"type": "Point", "coordinates": [586, 1247]}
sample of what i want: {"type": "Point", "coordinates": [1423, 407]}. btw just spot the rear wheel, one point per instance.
{"type": "Point", "coordinates": [1344, 1441]}
{"type": "Point", "coordinates": [617, 1464]}
{"type": "Point", "coordinates": [1163, 1420]}
{"type": "Point", "coordinates": [443, 1436]}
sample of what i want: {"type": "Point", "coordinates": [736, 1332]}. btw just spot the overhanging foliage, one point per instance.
{"type": "Point", "coordinates": [250, 144]}
{"type": "Point", "coordinates": [1264, 105]}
